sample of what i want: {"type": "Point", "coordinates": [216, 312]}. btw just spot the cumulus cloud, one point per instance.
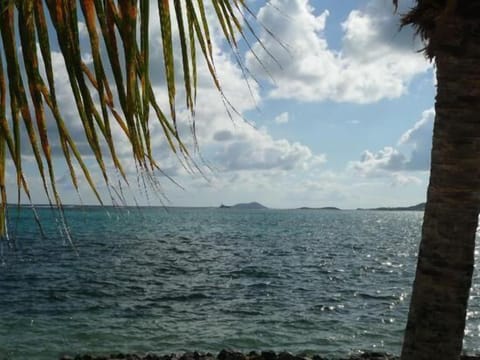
{"type": "Point", "coordinates": [232, 143]}
{"type": "Point", "coordinates": [282, 118]}
{"type": "Point", "coordinates": [226, 141]}
{"type": "Point", "coordinates": [223, 135]}
{"type": "Point", "coordinates": [390, 161]}
{"type": "Point", "coordinates": [257, 150]}
{"type": "Point", "coordinates": [387, 159]}
{"type": "Point", "coordinates": [420, 138]}
{"type": "Point", "coordinates": [375, 61]}
{"type": "Point", "coordinates": [401, 179]}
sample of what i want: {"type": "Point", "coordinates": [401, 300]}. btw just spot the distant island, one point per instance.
{"type": "Point", "coordinates": [257, 206]}
{"type": "Point", "coordinates": [319, 208]}
{"type": "Point", "coordinates": [245, 206]}
{"type": "Point", "coordinates": [418, 207]}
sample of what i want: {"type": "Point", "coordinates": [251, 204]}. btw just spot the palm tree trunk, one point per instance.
{"type": "Point", "coordinates": [436, 321]}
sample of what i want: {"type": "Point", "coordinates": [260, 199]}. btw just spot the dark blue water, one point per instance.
{"type": "Point", "coordinates": [329, 282]}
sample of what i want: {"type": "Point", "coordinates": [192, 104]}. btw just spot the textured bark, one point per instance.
{"type": "Point", "coordinates": [436, 321]}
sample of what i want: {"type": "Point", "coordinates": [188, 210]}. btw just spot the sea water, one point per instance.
{"type": "Point", "coordinates": [177, 279]}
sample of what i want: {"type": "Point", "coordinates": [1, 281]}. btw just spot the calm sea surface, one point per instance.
{"type": "Point", "coordinates": [329, 282]}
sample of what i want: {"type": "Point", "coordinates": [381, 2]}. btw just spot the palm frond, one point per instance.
{"type": "Point", "coordinates": [115, 90]}
{"type": "Point", "coordinates": [437, 20]}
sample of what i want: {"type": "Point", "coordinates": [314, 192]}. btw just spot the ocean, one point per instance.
{"type": "Point", "coordinates": [181, 279]}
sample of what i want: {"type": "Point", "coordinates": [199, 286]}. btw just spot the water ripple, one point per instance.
{"type": "Point", "coordinates": [206, 279]}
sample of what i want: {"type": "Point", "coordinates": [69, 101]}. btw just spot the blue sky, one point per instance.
{"type": "Point", "coordinates": [346, 121]}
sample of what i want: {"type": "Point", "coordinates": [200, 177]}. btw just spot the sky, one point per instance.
{"type": "Point", "coordinates": [342, 115]}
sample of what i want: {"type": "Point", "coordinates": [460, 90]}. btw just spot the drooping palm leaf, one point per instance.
{"type": "Point", "coordinates": [118, 34]}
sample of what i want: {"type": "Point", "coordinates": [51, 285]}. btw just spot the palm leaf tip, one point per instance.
{"type": "Point", "coordinates": [120, 65]}
{"type": "Point", "coordinates": [395, 4]}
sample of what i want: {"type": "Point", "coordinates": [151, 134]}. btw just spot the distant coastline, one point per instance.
{"type": "Point", "coordinates": [319, 208]}
{"type": "Point", "coordinates": [245, 206]}
{"type": "Point", "coordinates": [418, 207]}
{"type": "Point", "coordinates": [257, 206]}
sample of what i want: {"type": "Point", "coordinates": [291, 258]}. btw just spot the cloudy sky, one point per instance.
{"type": "Point", "coordinates": [341, 117]}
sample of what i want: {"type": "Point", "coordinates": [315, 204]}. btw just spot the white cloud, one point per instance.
{"type": "Point", "coordinates": [375, 164]}
{"type": "Point", "coordinates": [282, 118]}
{"type": "Point", "coordinates": [419, 137]}
{"type": "Point", "coordinates": [230, 145]}
{"type": "Point", "coordinates": [400, 179]}
{"type": "Point", "coordinates": [375, 61]}
{"type": "Point", "coordinates": [82, 29]}
{"type": "Point", "coordinates": [252, 149]}
{"type": "Point", "coordinates": [251, 163]}
{"type": "Point", "coordinates": [391, 162]}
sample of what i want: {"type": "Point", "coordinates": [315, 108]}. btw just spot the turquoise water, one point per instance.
{"type": "Point", "coordinates": [151, 279]}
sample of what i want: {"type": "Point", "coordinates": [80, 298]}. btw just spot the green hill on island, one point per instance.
{"type": "Point", "coordinates": [319, 208]}
{"type": "Point", "coordinates": [245, 206]}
